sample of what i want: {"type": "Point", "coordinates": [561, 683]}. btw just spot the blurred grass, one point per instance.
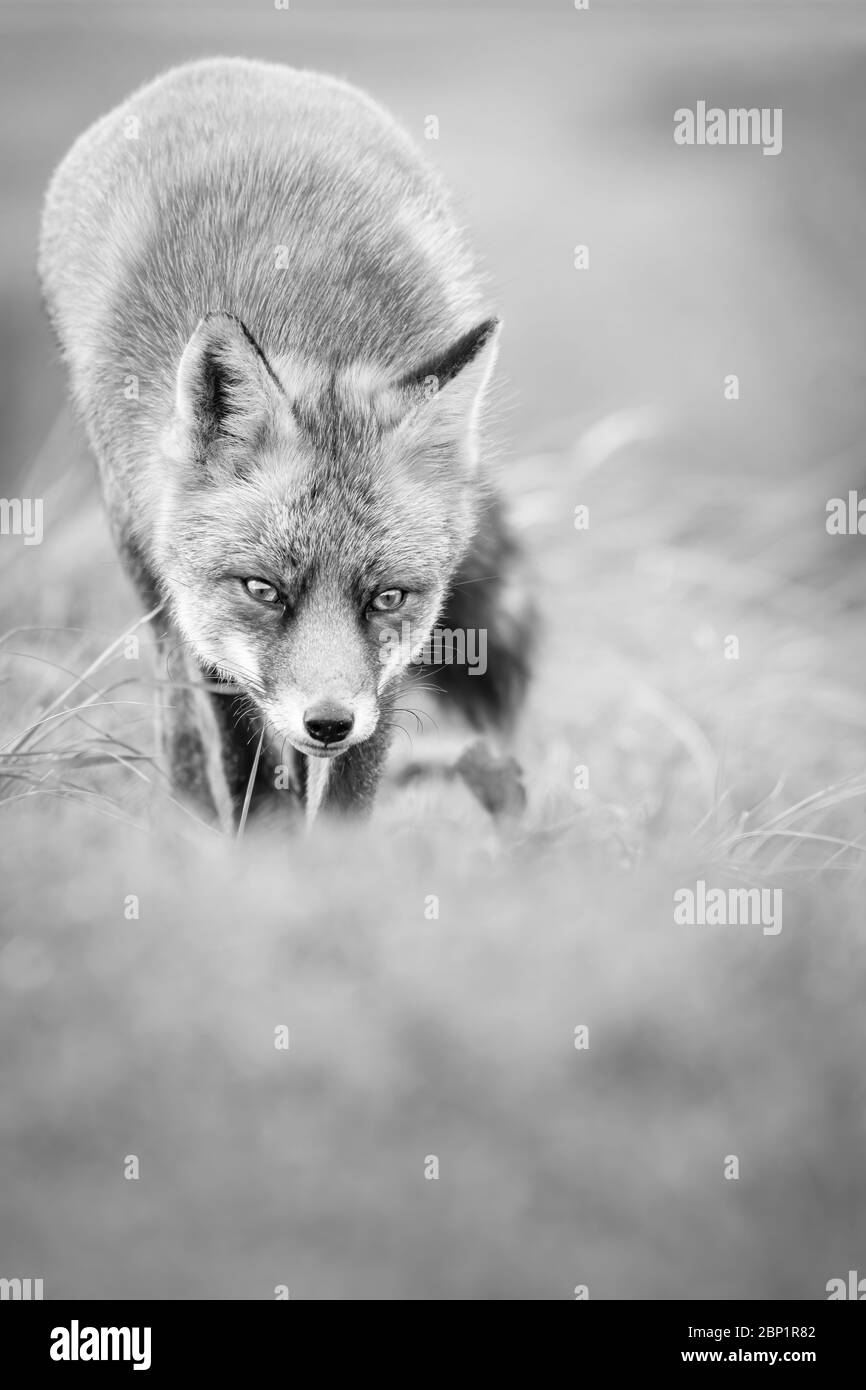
{"type": "Point", "coordinates": [454, 1036]}
{"type": "Point", "coordinates": [412, 1037]}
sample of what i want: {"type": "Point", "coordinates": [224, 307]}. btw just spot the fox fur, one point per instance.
{"type": "Point", "coordinates": [279, 344]}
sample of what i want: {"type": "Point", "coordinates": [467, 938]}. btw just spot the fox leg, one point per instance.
{"type": "Point", "coordinates": [210, 748]}
{"type": "Point", "coordinates": [186, 727]}
{"type": "Point", "coordinates": [184, 741]}
{"type": "Point", "coordinates": [489, 598]}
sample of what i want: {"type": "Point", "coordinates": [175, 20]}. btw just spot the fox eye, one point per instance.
{"type": "Point", "coordinates": [260, 589]}
{"type": "Point", "coordinates": [388, 601]}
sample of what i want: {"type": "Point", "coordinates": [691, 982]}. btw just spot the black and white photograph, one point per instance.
{"type": "Point", "coordinates": [433, 663]}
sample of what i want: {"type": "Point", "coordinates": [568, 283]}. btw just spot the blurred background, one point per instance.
{"type": "Point", "coordinates": [707, 521]}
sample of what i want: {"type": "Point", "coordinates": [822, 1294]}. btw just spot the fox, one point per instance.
{"type": "Point", "coordinates": [279, 343]}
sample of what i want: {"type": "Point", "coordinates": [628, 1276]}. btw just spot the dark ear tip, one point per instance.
{"type": "Point", "coordinates": [477, 338]}
{"type": "Point", "coordinates": [482, 334]}
{"type": "Point", "coordinates": [447, 365]}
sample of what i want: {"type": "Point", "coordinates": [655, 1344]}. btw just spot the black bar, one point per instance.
{"type": "Point", "coordinates": [224, 1338]}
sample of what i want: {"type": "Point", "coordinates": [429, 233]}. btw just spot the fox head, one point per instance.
{"type": "Point", "coordinates": [307, 514]}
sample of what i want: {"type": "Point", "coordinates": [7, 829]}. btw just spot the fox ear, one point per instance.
{"type": "Point", "coordinates": [226, 396]}
{"type": "Point", "coordinates": [441, 397]}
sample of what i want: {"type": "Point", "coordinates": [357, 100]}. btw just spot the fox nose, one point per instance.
{"type": "Point", "coordinates": [327, 722]}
